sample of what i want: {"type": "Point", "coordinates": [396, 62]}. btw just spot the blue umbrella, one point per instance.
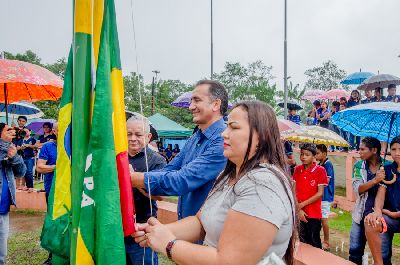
{"type": "Point", "coordinates": [380, 120]}
{"type": "Point", "coordinates": [356, 78]}
{"type": "Point", "coordinates": [21, 108]}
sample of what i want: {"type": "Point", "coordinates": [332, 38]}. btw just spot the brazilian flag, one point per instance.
{"type": "Point", "coordinates": [91, 202]}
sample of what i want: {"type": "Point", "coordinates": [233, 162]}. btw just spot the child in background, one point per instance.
{"type": "Point", "coordinates": [294, 117]}
{"type": "Point", "coordinates": [310, 181]}
{"type": "Point", "coordinates": [329, 191]}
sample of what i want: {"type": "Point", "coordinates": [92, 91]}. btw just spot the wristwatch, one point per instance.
{"type": "Point", "coordinates": [168, 248]}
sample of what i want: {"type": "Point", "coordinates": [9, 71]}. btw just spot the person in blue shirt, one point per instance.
{"type": "Point", "coordinates": [368, 96]}
{"type": "Point", "coordinates": [47, 161]}
{"type": "Point", "coordinates": [323, 115]}
{"type": "Point", "coordinates": [294, 117]}
{"type": "Point", "coordinates": [354, 101]}
{"type": "Point", "coordinates": [315, 110]}
{"type": "Point", "coordinates": [11, 166]}
{"type": "Point", "coordinates": [47, 136]}
{"type": "Point", "coordinates": [379, 95]}
{"type": "Point", "coordinates": [26, 147]}
{"type": "Point", "coordinates": [329, 191]}
{"type": "Point", "coordinates": [192, 173]}
{"type": "Point", "coordinates": [46, 165]}
{"type": "Point", "coordinates": [384, 222]}
{"type": "Point", "coordinates": [392, 97]}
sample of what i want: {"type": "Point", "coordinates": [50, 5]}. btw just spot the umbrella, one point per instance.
{"type": "Point", "coordinates": [383, 80]}
{"type": "Point", "coordinates": [315, 135]}
{"type": "Point", "coordinates": [356, 78]}
{"type": "Point", "coordinates": [37, 125]}
{"type": "Point", "coordinates": [25, 81]}
{"type": "Point", "coordinates": [286, 125]}
{"type": "Point", "coordinates": [312, 94]}
{"type": "Point", "coordinates": [336, 94]}
{"type": "Point", "coordinates": [183, 101]}
{"type": "Point", "coordinates": [21, 108]}
{"type": "Point", "coordinates": [379, 119]}
{"type": "Point", "coordinates": [291, 105]}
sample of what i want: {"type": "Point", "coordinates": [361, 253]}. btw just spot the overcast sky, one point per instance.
{"type": "Point", "coordinates": [173, 36]}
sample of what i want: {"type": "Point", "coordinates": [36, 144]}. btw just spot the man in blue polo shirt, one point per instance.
{"type": "Point", "coordinates": [46, 164]}
{"type": "Point", "coordinates": [192, 173]}
{"type": "Point", "coordinates": [11, 166]}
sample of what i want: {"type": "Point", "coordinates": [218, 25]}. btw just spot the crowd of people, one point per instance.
{"type": "Point", "coordinates": [230, 176]}
{"type": "Point", "coordinates": [321, 112]}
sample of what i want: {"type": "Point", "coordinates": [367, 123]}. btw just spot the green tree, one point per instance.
{"type": "Point", "coordinates": [29, 56]}
{"type": "Point", "coordinates": [236, 76]}
{"type": "Point", "coordinates": [324, 77]}
{"type": "Point", "coordinates": [250, 82]}
{"type": "Point", "coordinates": [294, 92]}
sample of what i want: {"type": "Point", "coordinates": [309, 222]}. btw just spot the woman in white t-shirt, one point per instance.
{"type": "Point", "coordinates": [249, 213]}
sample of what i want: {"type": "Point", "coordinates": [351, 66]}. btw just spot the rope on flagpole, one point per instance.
{"type": "Point", "coordinates": [141, 112]}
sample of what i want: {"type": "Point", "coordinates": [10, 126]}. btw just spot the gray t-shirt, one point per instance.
{"type": "Point", "coordinates": [260, 194]}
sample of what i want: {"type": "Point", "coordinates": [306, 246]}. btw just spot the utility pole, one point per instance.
{"type": "Point", "coordinates": [212, 44]}
{"type": "Point", "coordinates": [153, 87]}
{"type": "Point", "coordinates": [285, 78]}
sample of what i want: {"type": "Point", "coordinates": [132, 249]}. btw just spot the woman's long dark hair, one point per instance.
{"type": "Point", "coordinates": [262, 120]}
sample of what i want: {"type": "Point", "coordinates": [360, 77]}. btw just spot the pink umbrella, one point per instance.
{"type": "Point", "coordinates": [336, 94]}
{"type": "Point", "coordinates": [285, 125]}
{"type": "Point", "coordinates": [313, 94]}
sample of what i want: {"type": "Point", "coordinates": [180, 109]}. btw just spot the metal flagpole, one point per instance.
{"type": "Point", "coordinates": [285, 64]}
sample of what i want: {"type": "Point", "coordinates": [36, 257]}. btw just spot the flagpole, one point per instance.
{"type": "Point", "coordinates": [212, 43]}
{"type": "Point", "coordinates": [285, 100]}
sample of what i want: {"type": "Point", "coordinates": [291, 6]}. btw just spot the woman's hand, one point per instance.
{"type": "Point", "coordinates": [140, 235]}
{"type": "Point", "coordinates": [157, 235]}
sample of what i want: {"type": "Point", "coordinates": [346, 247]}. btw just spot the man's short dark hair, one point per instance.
{"type": "Point", "coordinates": [309, 147]}
{"type": "Point", "coordinates": [48, 124]}
{"type": "Point", "coordinates": [217, 91]}
{"type": "Point", "coordinates": [322, 148]}
{"type": "Point", "coordinates": [391, 86]}
{"type": "Point", "coordinates": [2, 125]}
{"type": "Point", "coordinates": [372, 142]}
{"type": "Point", "coordinates": [317, 103]}
{"type": "Point", "coordinates": [22, 117]}
{"type": "Point", "coordinates": [395, 140]}
{"type": "Point", "coordinates": [336, 103]}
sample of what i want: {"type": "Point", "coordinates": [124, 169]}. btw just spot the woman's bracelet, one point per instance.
{"type": "Point", "coordinates": [168, 248]}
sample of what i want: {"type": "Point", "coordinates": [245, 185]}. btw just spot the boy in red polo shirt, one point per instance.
{"type": "Point", "coordinates": [310, 181]}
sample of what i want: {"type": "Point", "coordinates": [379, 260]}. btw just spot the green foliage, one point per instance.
{"type": "Point", "coordinates": [164, 93]}
{"type": "Point", "coordinates": [29, 56]}
{"type": "Point", "coordinates": [324, 77]}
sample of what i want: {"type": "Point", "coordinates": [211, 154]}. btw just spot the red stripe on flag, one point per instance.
{"type": "Point", "coordinates": [126, 194]}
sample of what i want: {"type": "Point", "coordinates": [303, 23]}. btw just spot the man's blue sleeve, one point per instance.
{"type": "Point", "coordinates": [191, 176]}
{"type": "Point", "coordinates": [330, 171]}
{"type": "Point", "coordinates": [43, 153]}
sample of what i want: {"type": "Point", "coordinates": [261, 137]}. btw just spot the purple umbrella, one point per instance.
{"type": "Point", "coordinates": [37, 125]}
{"type": "Point", "coordinates": [183, 101]}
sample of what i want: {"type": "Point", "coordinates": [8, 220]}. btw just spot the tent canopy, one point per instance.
{"type": "Point", "coordinates": [167, 128]}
